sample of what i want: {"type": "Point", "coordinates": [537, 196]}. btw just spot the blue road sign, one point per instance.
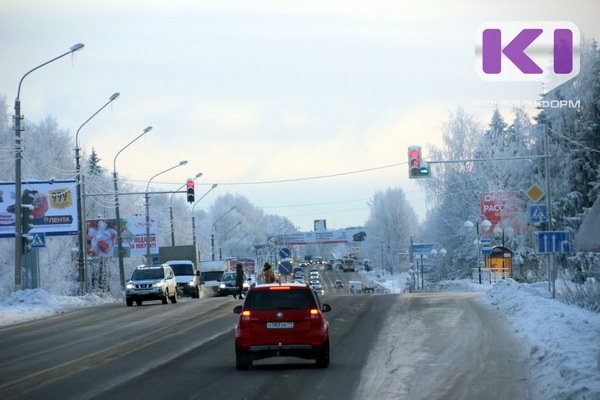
{"type": "Point", "coordinates": [38, 240]}
{"type": "Point", "coordinates": [422, 247]}
{"type": "Point", "coordinates": [538, 213]}
{"type": "Point", "coordinates": [554, 242]}
{"type": "Point", "coordinates": [285, 252]}
{"type": "Point", "coordinates": [285, 268]}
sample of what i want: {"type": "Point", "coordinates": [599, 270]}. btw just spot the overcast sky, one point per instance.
{"type": "Point", "coordinates": [252, 91]}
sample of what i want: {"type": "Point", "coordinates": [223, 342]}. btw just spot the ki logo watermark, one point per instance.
{"type": "Point", "coordinates": [544, 51]}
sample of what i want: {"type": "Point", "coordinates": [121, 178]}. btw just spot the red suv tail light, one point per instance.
{"type": "Point", "coordinates": [314, 313]}
{"type": "Point", "coordinates": [246, 315]}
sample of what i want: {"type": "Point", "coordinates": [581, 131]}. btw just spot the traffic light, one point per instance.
{"type": "Point", "coordinates": [26, 227]}
{"type": "Point", "coordinates": [424, 168]}
{"type": "Point", "coordinates": [417, 168]}
{"type": "Point", "coordinates": [190, 190]}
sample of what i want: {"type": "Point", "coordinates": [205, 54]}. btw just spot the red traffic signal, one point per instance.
{"type": "Point", "coordinates": [417, 167]}
{"type": "Point", "coordinates": [190, 190]}
{"type": "Point", "coordinates": [414, 161]}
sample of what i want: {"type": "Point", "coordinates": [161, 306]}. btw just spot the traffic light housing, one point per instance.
{"type": "Point", "coordinates": [26, 227]}
{"type": "Point", "coordinates": [190, 190]}
{"type": "Point", "coordinates": [417, 168]}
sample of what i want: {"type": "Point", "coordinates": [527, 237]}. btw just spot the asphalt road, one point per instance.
{"type": "Point", "coordinates": [417, 346]}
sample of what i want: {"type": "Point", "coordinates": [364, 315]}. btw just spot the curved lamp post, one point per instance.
{"type": "Point", "coordinates": [80, 213]}
{"type": "Point", "coordinates": [212, 235]}
{"type": "Point", "coordinates": [198, 175]}
{"type": "Point", "coordinates": [225, 234]}
{"type": "Point", "coordinates": [18, 157]}
{"type": "Point", "coordinates": [194, 216]}
{"type": "Point", "coordinates": [148, 259]}
{"type": "Point", "coordinates": [117, 215]}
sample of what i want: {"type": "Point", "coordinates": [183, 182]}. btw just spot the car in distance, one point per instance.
{"type": "Point", "coordinates": [228, 285]}
{"type": "Point", "coordinates": [281, 320]}
{"type": "Point", "coordinates": [151, 283]}
{"type": "Point", "coordinates": [338, 284]}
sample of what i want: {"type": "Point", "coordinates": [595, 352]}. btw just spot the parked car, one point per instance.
{"type": "Point", "coordinates": [281, 320]}
{"type": "Point", "coordinates": [338, 284]}
{"type": "Point", "coordinates": [151, 283]}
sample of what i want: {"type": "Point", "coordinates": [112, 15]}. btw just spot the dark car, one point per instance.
{"type": "Point", "coordinates": [359, 236]}
{"type": "Point", "coordinates": [281, 320]}
{"type": "Point", "coordinates": [228, 285]}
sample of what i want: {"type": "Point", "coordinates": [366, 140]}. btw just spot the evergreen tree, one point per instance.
{"type": "Point", "coordinates": [94, 167]}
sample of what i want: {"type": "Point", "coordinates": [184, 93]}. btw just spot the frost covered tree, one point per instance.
{"type": "Point", "coordinates": [454, 191]}
{"type": "Point", "coordinates": [391, 223]}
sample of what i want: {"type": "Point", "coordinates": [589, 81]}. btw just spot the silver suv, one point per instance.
{"type": "Point", "coordinates": [155, 282]}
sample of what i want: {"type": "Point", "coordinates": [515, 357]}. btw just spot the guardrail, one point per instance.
{"type": "Point", "coordinates": [490, 275]}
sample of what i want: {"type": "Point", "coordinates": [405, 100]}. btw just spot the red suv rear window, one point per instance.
{"type": "Point", "coordinates": [261, 300]}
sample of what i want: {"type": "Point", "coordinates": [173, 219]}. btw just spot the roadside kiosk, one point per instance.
{"type": "Point", "coordinates": [499, 262]}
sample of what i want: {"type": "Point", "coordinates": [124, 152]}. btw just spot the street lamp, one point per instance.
{"type": "Point", "coordinates": [194, 215]}
{"type": "Point", "coordinates": [18, 156]}
{"type": "Point", "coordinates": [148, 260]}
{"type": "Point", "coordinates": [236, 243]}
{"type": "Point", "coordinates": [212, 235]}
{"type": "Point", "coordinates": [198, 175]}
{"type": "Point", "coordinates": [117, 215]}
{"type": "Point", "coordinates": [80, 212]}
{"type": "Point", "coordinates": [485, 226]}
{"type": "Point", "coordinates": [225, 234]}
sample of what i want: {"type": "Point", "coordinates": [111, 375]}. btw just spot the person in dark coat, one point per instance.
{"type": "Point", "coordinates": [239, 280]}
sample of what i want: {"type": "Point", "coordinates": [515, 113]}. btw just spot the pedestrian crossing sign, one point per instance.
{"type": "Point", "coordinates": [38, 240]}
{"type": "Point", "coordinates": [538, 213]}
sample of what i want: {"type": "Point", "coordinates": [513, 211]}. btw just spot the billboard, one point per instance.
{"type": "Point", "coordinates": [326, 237]}
{"type": "Point", "coordinates": [54, 207]}
{"type": "Point", "coordinates": [101, 236]}
{"type": "Point", "coordinates": [505, 208]}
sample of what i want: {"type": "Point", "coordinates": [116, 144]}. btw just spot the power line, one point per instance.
{"type": "Point", "coordinates": [306, 178]}
{"type": "Point", "coordinates": [316, 204]}
{"type": "Point", "coordinates": [574, 141]}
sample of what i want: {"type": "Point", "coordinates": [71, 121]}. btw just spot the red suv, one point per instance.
{"type": "Point", "coordinates": [281, 320]}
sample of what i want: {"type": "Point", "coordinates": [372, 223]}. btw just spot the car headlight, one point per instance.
{"type": "Point", "coordinates": [222, 286]}
{"type": "Point", "coordinates": [246, 285]}
{"type": "Point", "coordinates": [191, 283]}
{"type": "Point", "coordinates": [158, 284]}
{"type": "Point", "coordinates": [130, 286]}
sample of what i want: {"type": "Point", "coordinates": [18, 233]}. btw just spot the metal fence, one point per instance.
{"type": "Point", "coordinates": [490, 275]}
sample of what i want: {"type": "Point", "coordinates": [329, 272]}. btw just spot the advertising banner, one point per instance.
{"type": "Point", "coordinates": [504, 208]}
{"type": "Point", "coordinates": [326, 237]}
{"type": "Point", "coordinates": [54, 207]}
{"type": "Point", "coordinates": [101, 236]}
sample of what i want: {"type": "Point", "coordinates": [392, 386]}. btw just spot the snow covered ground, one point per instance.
{"type": "Point", "coordinates": [563, 340]}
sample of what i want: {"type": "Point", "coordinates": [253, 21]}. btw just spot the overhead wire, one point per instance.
{"type": "Point", "coordinates": [573, 141]}
{"type": "Point", "coordinates": [306, 178]}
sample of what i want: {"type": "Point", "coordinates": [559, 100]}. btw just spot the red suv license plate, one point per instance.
{"type": "Point", "coordinates": [280, 325]}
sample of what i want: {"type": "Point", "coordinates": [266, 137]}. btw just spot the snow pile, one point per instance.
{"type": "Point", "coordinates": [30, 304]}
{"type": "Point", "coordinates": [563, 340]}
